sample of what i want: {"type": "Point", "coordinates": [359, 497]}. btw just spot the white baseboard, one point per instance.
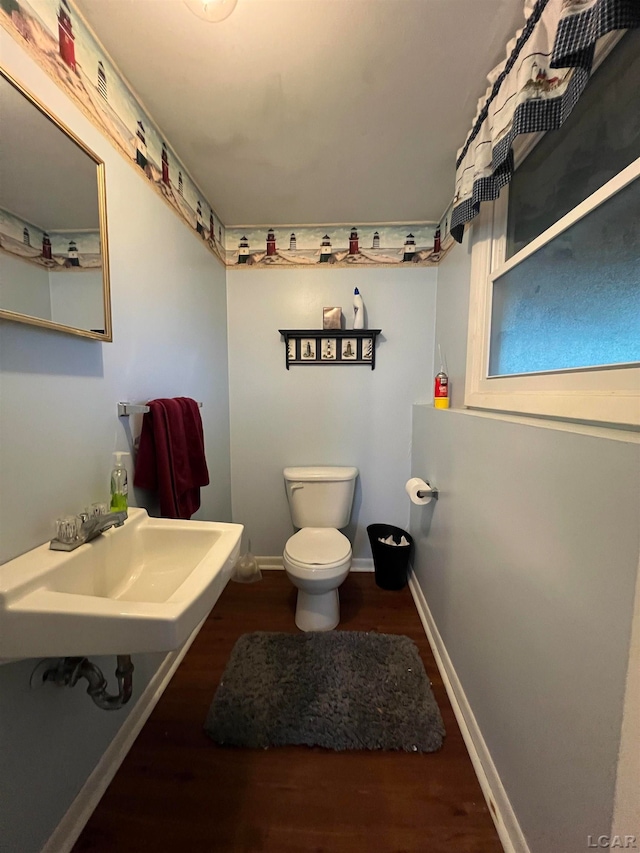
{"type": "Point", "coordinates": [358, 564]}
{"type": "Point", "coordinates": [269, 563]}
{"type": "Point", "coordinates": [361, 564]}
{"type": "Point", "coordinates": [68, 830]}
{"type": "Point", "coordinates": [500, 808]}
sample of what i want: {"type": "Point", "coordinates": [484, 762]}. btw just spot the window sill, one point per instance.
{"type": "Point", "coordinates": [613, 433]}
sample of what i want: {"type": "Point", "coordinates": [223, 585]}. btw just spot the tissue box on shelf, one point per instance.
{"type": "Point", "coordinates": [332, 318]}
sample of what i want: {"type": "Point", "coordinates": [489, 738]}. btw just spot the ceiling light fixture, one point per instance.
{"type": "Point", "coordinates": [211, 10]}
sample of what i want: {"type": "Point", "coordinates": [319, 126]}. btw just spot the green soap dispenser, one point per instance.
{"type": "Point", "coordinates": [119, 487]}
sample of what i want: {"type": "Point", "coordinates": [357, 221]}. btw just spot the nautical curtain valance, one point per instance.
{"type": "Point", "coordinates": [547, 67]}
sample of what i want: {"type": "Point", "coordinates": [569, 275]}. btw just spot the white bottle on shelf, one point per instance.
{"type": "Point", "coordinates": [358, 310]}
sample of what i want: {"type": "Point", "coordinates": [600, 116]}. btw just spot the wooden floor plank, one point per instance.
{"type": "Point", "coordinates": [178, 791]}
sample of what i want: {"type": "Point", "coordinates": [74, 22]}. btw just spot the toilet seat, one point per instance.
{"type": "Point", "coordinates": [318, 547]}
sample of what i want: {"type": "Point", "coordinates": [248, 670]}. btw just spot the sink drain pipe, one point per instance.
{"type": "Point", "coordinates": [66, 672]}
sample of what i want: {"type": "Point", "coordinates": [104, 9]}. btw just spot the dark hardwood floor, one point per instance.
{"type": "Point", "coordinates": [178, 791]}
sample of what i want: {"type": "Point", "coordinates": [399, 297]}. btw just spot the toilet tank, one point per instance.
{"type": "Point", "coordinates": [320, 496]}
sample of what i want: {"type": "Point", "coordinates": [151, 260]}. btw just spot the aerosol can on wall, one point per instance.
{"type": "Point", "coordinates": [441, 386]}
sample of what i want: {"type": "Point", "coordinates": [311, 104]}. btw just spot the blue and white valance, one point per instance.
{"type": "Point", "coordinates": [547, 67]}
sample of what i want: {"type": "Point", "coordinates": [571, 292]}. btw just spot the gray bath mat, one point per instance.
{"type": "Point", "coordinates": [336, 689]}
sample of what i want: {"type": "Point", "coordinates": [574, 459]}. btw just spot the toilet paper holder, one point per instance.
{"type": "Point", "coordinates": [431, 493]}
{"type": "Point", "coordinates": [420, 491]}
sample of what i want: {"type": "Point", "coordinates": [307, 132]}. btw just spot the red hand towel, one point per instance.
{"type": "Point", "coordinates": [171, 455]}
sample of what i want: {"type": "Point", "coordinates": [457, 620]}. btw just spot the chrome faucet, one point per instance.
{"type": "Point", "coordinates": [71, 536]}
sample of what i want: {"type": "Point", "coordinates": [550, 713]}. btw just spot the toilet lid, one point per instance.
{"type": "Point", "coordinates": [318, 546]}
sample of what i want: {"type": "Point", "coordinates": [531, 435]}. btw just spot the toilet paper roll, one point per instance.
{"type": "Point", "coordinates": [415, 485]}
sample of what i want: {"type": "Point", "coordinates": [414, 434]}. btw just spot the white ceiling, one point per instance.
{"type": "Point", "coordinates": [313, 111]}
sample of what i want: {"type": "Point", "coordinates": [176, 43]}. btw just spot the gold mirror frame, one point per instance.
{"type": "Point", "coordinates": [106, 335]}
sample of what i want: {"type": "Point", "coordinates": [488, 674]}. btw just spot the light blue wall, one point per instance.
{"type": "Point", "coordinates": [528, 563]}
{"type": "Point", "coordinates": [24, 288]}
{"type": "Point", "coordinates": [58, 429]}
{"type": "Point", "coordinates": [326, 414]}
{"type": "Point", "coordinates": [452, 310]}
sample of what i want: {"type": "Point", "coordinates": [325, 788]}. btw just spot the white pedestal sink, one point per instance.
{"type": "Point", "coordinates": [142, 587]}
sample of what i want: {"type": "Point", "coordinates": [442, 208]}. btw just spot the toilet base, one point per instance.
{"type": "Point", "coordinates": [318, 612]}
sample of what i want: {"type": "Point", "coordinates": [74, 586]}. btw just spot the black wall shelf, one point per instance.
{"type": "Point", "coordinates": [330, 346]}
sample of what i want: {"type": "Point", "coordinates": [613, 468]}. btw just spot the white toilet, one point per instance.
{"type": "Point", "coordinates": [318, 557]}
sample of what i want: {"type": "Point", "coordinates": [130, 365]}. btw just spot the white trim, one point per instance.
{"type": "Point", "coordinates": [506, 822]}
{"type": "Point", "coordinates": [358, 564]}
{"type": "Point", "coordinates": [480, 300]}
{"type": "Point", "coordinates": [362, 564]}
{"type": "Point", "coordinates": [73, 822]}
{"type": "Point", "coordinates": [607, 395]}
{"type": "Point", "coordinates": [604, 395]}
{"type": "Point", "coordinates": [597, 431]}
{"type": "Point", "coordinates": [597, 198]}
{"type": "Point", "coordinates": [269, 563]}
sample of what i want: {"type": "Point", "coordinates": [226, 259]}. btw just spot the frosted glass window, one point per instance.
{"type": "Point", "coordinates": [576, 301]}
{"type": "Point", "coordinates": [599, 139]}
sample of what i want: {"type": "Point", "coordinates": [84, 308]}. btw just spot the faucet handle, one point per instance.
{"type": "Point", "coordinates": [68, 528]}
{"type": "Point", "coordinates": [95, 510]}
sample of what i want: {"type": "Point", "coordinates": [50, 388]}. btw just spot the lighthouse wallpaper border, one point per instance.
{"type": "Point", "coordinates": [54, 250]}
{"type": "Point", "coordinates": [54, 33]}
{"type": "Point", "coordinates": [335, 245]}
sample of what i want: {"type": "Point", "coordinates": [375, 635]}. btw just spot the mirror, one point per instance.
{"type": "Point", "coordinates": [54, 269]}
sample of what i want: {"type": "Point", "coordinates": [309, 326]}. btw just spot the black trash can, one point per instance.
{"type": "Point", "coordinates": [391, 562]}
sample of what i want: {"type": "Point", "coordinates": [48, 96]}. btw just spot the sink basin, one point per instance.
{"type": "Point", "coordinates": [142, 587]}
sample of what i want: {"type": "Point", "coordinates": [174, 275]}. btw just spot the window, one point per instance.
{"type": "Point", "coordinates": [555, 305]}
